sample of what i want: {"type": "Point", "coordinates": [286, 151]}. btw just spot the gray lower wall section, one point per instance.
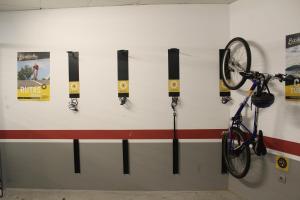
{"type": "Point", "coordinates": [51, 165]}
{"type": "Point", "coordinates": [262, 181]}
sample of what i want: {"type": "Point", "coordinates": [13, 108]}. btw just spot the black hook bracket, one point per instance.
{"type": "Point", "coordinates": [225, 99]}
{"type": "Point", "coordinates": [123, 100]}
{"type": "Point", "coordinates": [174, 103]}
{"type": "Point", "coordinates": [73, 104]}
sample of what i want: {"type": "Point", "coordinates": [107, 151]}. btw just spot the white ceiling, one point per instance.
{"type": "Point", "coordinates": [14, 5]}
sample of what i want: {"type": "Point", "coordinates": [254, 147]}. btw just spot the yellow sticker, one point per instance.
{"type": "Point", "coordinates": [282, 163]}
{"type": "Point", "coordinates": [223, 87]}
{"type": "Point", "coordinates": [74, 87]}
{"type": "Point", "coordinates": [292, 90]}
{"type": "Point", "coordinates": [36, 93]}
{"type": "Point", "coordinates": [123, 86]}
{"type": "Point", "coordinates": [174, 86]}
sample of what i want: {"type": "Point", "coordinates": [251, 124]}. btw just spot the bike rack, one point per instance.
{"type": "Point", "coordinates": [123, 94]}
{"type": "Point", "coordinates": [224, 91]}
{"type": "Point", "coordinates": [1, 178]}
{"type": "Point", "coordinates": [174, 93]}
{"type": "Point", "coordinates": [223, 164]}
{"type": "Point", "coordinates": [74, 94]}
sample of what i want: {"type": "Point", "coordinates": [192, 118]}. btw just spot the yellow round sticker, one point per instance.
{"type": "Point", "coordinates": [123, 86]}
{"type": "Point", "coordinates": [174, 86]}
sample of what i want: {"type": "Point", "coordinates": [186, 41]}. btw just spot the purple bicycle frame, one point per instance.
{"type": "Point", "coordinates": [238, 123]}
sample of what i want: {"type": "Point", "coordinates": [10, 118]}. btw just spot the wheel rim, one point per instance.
{"type": "Point", "coordinates": [236, 154]}
{"type": "Point", "coordinates": [235, 61]}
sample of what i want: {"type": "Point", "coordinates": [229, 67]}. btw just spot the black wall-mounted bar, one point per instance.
{"type": "Point", "coordinates": [73, 74]}
{"type": "Point", "coordinates": [224, 91]}
{"type": "Point", "coordinates": [125, 145]}
{"type": "Point", "coordinates": [76, 156]}
{"type": "Point", "coordinates": [123, 94]}
{"type": "Point", "coordinates": [74, 93]}
{"type": "Point", "coordinates": [174, 92]}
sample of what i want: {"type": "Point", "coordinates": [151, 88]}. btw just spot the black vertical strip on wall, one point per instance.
{"type": "Point", "coordinates": [74, 77]}
{"type": "Point", "coordinates": [223, 164]}
{"type": "Point", "coordinates": [125, 145]}
{"type": "Point", "coordinates": [175, 156]}
{"type": "Point", "coordinates": [173, 71]}
{"type": "Point", "coordinates": [1, 177]}
{"type": "Point", "coordinates": [224, 92]}
{"type": "Point", "coordinates": [123, 69]}
{"type": "Point", "coordinates": [123, 76]}
{"type": "Point", "coordinates": [73, 70]}
{"type": "Point", "coordinates": [76, 156]}
{"type": "Point", "coordinates": [173, 58]}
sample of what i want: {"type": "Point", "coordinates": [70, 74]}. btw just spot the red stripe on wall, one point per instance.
{"type": "Point", "coordinates": [282, 145]}
{"type": "Point", "coordinates": [110, 134]}
{"type": "Point", "coordinates": [272, 143]}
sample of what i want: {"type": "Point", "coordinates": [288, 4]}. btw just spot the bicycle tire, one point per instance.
{"type": "Point", "coordinates": [228, 156]}
{"type": "Point", "coordinates": [228, 57]}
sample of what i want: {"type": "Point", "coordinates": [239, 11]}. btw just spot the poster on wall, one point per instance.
{"type": "Point", "coordinates": [33, 72]}
{"type": "Point", "coordinates": [292, 87]}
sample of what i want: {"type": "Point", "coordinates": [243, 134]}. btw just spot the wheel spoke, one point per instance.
{"type": "Point", "coordinates": [237, 58]}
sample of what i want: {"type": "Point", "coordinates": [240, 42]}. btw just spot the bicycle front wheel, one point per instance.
{"type": "Point", "coordinates": [236, 155]}
{"type": "Point", "coordinates": [236, 59]}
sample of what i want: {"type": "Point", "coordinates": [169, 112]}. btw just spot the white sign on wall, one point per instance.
{"type": "Point", "coordinates": [292, 87]}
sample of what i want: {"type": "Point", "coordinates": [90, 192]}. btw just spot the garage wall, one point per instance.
{"type": "Point", "coordinates": [97, 33]}
{"type": "Point", "coordinates": [265, 24]}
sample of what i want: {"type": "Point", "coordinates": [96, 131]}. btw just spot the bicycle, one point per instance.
{"type": "Point", "coordinates": [238, 138]}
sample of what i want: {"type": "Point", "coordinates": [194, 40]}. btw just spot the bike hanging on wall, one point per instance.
{"type": "Point", "coordinates": [236, 141]}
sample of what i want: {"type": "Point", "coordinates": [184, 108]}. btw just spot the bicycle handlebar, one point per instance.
{"type": "Point", "coordinates": [267, 77]}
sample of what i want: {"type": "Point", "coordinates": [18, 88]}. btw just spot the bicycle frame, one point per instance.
{"type": "Point", "coordinates": [237, 119]}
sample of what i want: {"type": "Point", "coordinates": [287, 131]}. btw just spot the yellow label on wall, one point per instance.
{"type": "Point", "coordinates": [223, 87]}
{"type": "Point", "coordinates": [123, 86]}
{"type": "Point", "coordinates": [37, 93]}
{"type": "Point", "coordinates": [174, 86]}
{"type": "Point", "coordinates": [292, 90]}
{"type": "Point", "coordinates": [282, 163]}
{"type": "Point", "coordinates": [74, 87]}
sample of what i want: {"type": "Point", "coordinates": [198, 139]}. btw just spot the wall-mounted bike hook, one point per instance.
{"type": "Point", "coordinates": [225, 99]}
{"type": "Point", "coordinates": [123, 100]}
{"type": "Point", "coordinates": [174, 103]}
{"type": "Point", "coordinates": [73, 104]}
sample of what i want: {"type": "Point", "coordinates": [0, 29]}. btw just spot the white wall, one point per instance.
{"type": "Point", "coordinates": [265, 23]}
{"type": "Point", "coordinates": [97, 33]}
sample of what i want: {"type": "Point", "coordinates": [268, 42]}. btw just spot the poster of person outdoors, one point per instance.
{"type": "Point", "coordinates": [33, 70]}
{"type": "Point", "coordinates": [292, 87]}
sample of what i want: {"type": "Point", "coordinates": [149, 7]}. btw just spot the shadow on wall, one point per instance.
{"type": "Point", "coordinates": [293, 109]}
{"type": "Point", "coordinates": [257, 173]}
{"type": "Point", "coordinates": [260, 60]}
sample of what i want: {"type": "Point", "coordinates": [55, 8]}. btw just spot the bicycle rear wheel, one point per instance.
{"type": "Point", "coordinates": [236, 156]}
{"type": "Point", "coordinates": [236, 59]}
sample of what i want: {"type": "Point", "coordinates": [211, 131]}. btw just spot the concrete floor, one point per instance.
{"type": "Point", "coordinates": [28, 194]}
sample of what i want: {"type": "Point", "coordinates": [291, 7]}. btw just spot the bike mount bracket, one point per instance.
{"type": "Point", "coordinates": [174, 103]}
{"type": "Point", "coordinates": [73, 104]}
{"type": "Point", "coordinates": [123, 100]}
{"type": "Point", "coordinates": [226, 99]}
